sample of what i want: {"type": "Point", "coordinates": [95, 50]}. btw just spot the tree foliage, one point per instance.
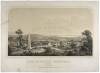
{"type": "Point", "coordinates": [87, 41]}
{"type": "Point", "coordinates": [19, 38]}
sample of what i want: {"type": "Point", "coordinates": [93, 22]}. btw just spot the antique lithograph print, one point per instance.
{"type": "Point", "coordinates": [49, 36]}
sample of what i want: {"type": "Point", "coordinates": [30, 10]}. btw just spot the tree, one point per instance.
{"type": "Point", "coordinates": [87, 41]}
{"type": "Point", "coordinates": [19, 38]}
{"type": "Point", "coordinates": [72, 45]}
{"type": "Point", "coordinates": [19, 32]}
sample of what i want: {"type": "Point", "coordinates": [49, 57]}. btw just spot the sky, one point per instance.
{"type": "Point", "coordinates": [50, 21]}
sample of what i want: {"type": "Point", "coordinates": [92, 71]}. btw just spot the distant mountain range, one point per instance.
{"type": "Point", "coordinates": [35, 37]}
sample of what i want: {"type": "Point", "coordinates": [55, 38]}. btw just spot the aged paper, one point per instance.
{"type": "Point", "coordinates": [49, 36]}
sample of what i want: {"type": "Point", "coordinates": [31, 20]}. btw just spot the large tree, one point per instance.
{"type": "Point", "coordinates": [19, 38]}
{"type": "Point", "coordinates": [87, 41]}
